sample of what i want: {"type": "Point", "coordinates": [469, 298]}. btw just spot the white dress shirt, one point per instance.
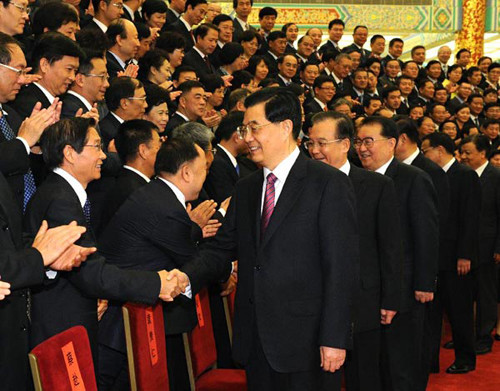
{"type": "Point", "coordinates": [281, 172]}
{"type": "Point", "coordinates": [382, 169]}
{"type": "Point", "coordinates": [409, 160]}
{"type": "Point", "coordinates": [137, 172]}
{"type": "Point", "coordinates": [119, 119]}
{"type": "Point", "coordinates": [84, 101]}
{"type": "Point", "coordinates": [229, 155]}
{"type": "Point", "coordinates": [481, 169]}
{"type": "Point", "coordinates": [447, 166]}
{"type": "Point", "coordinates": [101, 25]}
{"type": "Point", "coordinates": [346, 168]}
{"type": "Point", "coordinates": [49, 96]}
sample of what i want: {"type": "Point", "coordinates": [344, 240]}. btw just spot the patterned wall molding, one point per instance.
{"type": "Point", "coordinates": [492, 16]}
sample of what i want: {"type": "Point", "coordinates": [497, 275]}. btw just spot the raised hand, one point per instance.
{"type": "Point", "coordinates": [93, 113]}
{"type": "Point", "coordinates": [130, 71]}
{"type": "Point", "coordinates": [32, 127]}
{"type": "Point", "coordinates": [211, 228]}
{"type": "Point", "coordinates": [202, 213]}
{"type": "Point", "coordinates": [72, 257]}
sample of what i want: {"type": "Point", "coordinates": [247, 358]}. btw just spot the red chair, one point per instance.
{"type": "Point", "coordinates": [64, 362]}
{"type": "Point", "coordinates": [201, 355]}
{"type": "Point", "coordinates": [146, 351]}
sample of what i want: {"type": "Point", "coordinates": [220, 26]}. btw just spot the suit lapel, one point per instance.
{"type": "Point", "coordinates": [289, 194]}
{"type": "Point", "coordinates": [12, 219]}
{"type": "Point", "coordinates": [392, 170]}
{"type": "Point", "coordinates": [357, 181]}
{"type": "Point", "coordinates": [254, 203]}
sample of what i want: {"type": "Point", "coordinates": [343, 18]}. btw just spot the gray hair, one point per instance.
{"type": "Point", "coordinates": [200, 134]}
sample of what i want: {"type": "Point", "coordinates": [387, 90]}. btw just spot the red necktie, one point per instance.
{"type": "Point", "coordinates": [268, 208]}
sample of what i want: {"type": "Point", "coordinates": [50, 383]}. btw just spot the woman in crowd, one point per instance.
{"type": "Point", "coordinates": [454, 76]}
{"type": "Point", "coordinates": [154, 13]}
{"type": "Point", "coordinates": [56, 16]}
{"type": "Point", "coordinates": [173, 44]}
{"type": "Point", "coordinates": [449, 127]}
{"type": "Point", "coordinates": [373, 64]}
{"type": "Point", "coordinates": [154, 68]}
{"type": "Point", "coordinates": [292, 32]}
{"type": "Point", "coordinates": [425, 126]}
{"type": "Point", "coordinates": [214, 87]}
{"type": "Point", "coordinates": [250, 41]}
{"type": "Point", "coordinates": [145, 38]}
{"type": "Point", "coordinates": [462, 120]}
{"type": "Point", "coordinates": [232, 59]}
{"type": "Point", "coordinates": [258, 68]}
{"type": "Point", "coordinates": [157, 110]}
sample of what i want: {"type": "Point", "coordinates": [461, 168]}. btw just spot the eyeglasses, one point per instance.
{"type": "Point", "coordinates": [19, 72]}
{"type": "Point", "coordinates": [368, 142]}
{"type": "Point", "coordinates": [118, 5]}
{"type": "Point", "coordinates": [103, 77]}
{"type": "Point", "coordinates": [251, 127]}
{"type": "Point", "coordinates": [22, 8]}
{"type": "Point", "coordinates": [213, 150]}
{"type": "Point", "coordinates": [321, 143]}
{"type": "Point", "coordinates": [98, 147]}
{"type": "Point", "coordinates": [143, 98]}
{"type": "Point", "coordinates": [424, 151]}
{"type": "Point", "coordinates": [226, 28]}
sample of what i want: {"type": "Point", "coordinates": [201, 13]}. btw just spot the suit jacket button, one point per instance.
{"type": "Point", "coordinates": [257, 268]}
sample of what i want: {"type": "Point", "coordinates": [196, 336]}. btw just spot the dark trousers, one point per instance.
{"type": "Point", "coordinates": [221, 333]}
{"type": "Point", "coordinates": [262, 377]}
{"type": "Point", "coordinates": [458, 304]}
{"type": "Point", "coordinates": [486, 293]}
{"type": "Point", "coordinates": [113, 367]}
{"type": "Point", "coordinates": [402, 351]}
{"type": "Point", "coordinates": [362, 366]}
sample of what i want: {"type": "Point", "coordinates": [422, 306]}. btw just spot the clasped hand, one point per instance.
{"type": "Point", "coordinates": [173, 283]}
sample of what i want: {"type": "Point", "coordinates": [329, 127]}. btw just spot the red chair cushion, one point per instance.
{"type": "Point", "coordinates": [230, 301]}
{"type": "Point", "coordinates": [201, 339]}
{"type": "Point", "coordinates": [222, 380]}
{"type": "Point", "coordinates": [148, 340]}
{"type": "Point", "coordinates": [65, 361]}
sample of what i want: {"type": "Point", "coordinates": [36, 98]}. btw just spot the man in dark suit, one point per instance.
{"type": "Point", "coordinates": [174, 11]}
{"type": "Point", "coordinates": [206, 36]}
{"type": "Point", "coordinates": [194, 13]}
{"type": "Point", "coordinates": [459, 252]}
{"type": "Point", "coordinates": [396, 46]}
{"type": "Point", "coordinates": [381, 256]}
{"type": "Point", "coordinates": [278, 344]}
{"type": "Point", "coordinates": [242, 9]}
{"type": "Point", "coordinates": [89, 87]}
{"type": "Point", "coordinates": [105, 13]}
{"type": "Point", "coordinates": [335, 33]}
{"type": "Point", "coordinates": [191, 107]}
{"type": "Point", "coordinates": [359, 36]}
{"type": "Point", "coordinates": [225, 170]}
{"type": "Point", "coordinates": [277, 43]}
{"type": "Point", "coordinates": [324, 91]}
{"type": "Point", "coordinates": [463, 93]}
{"type": "Point", "coordinates": [402, 363]}
{"type": "Point", "coordinates": [123, 46]}
{"type": "Point", "coordinates": [23, 265]}
{"type": "Point", "coordinates": [341, 69]}
{"type": "Point", "coordinates": [131, 11]}
{"type": "Point", "coordinates": [56, 60]}
{"type": "Point", "coordinates": [72, 148]}
{"type": "Point", "coordinates": [137, 144]}
{"type": "Point", "coordinates": [151, 231]}
{"type": "Point", "coordinates": [474, 152]}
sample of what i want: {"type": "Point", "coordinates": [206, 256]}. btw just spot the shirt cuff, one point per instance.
{"type": "Point", "coordinates": [222, 212]}
{"type": "Point", "coordinates": [25, 143]}
{"type": "Point", "coordinates": [51, 274]}
{"type": "Point", "coordinates": [188, 293]}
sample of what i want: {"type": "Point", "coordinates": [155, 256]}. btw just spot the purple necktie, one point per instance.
{"type": "Point", "coordinates": [268, 208]}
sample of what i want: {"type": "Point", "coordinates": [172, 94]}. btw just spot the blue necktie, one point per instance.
{"type": "Point", "coordinates": [86, 211]}
{"type": "Point", "coordinates": [237, 169]}
{"type": "Point", "coordinates": [29, 180]}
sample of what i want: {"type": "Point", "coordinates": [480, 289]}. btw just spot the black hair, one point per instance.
{"type": "Point", "coordinates": [480, 141]}
{"type": "Point", "coordinates": [194, 3]}
{"type": "Point", "coordinates": [170, 41]}
{"type": "Point", "coordinates": [438, 139]}
{"type": "Point", "coordinates": [322, 79]}
{"type": "Point", "coordinates": [115, 29]}
{"type": "Point", "coordinates": [85, 66]}
{"type": "Point", "coordinates": [267, 11]}
{"type": "Point", "coordinates": [236, 96]}
{"type": "Point", "coordinates": [235, 3]}
{"type": "Point", "coordinates": [53, 47]}
{"type": "Point", "coordinates": [228, 125]}
{"type": "Point", "coordinates": [254, 62]}
{"type": "Point", "coordinates": [240, 78]}
{"type": "Point", "coordinates": [5, 51]}
{"type": "Point", "coordinates": [394, 41]}
{"type": "Point", "coordinates": [343, 124]}
{"type": "Point", "coordinates": [154, 58]}
{"type": "Point", "coordinates": [334, 22]}
{"type": "Point", "coordinates": [203, 29]}
{"type": "Point", "coordinates": [375, 37]}
{"type": "Point", "coordinates": [415, 48]}
{"type": "Point", "coordinates": [213, 83]}
{"type": "Point", "coordinates": [408, 127]}
{"type": "Point", "coordinates": [174, 153]}
{"type": "Point", "coordinates": [120, 88]}
{"type": "Point", "coordinates": [150, 7]}
{"type": "Point", "coordinates": [388, 90]}
{"type": "Point", "coordinates": [179, 70]}
{"type": "Point", "coordinates": [52, 16]}
{"type": "Point", "coordinates": [459, 53]}
{"type": "Point", "coordinates": [221, 18]}
{"type": "Point", "coordinates": [131, 134]}
{"type": "Point", "coordinates": [249, 35]}
{"type": "Point", "coordinates": [155, 96]}
{"type": "Point", "coordinates": [389, 128]}
{"type": "Point", "coordinates": [274, 35]}
{"type": "Point", "coordinates": [230, 52]}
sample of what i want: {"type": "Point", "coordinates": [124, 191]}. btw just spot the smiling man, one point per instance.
{"type": "Point", "coordinates": [13, 16]}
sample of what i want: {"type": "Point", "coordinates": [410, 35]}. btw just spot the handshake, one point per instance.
{"type": "Point", "coordinates": [173, 283]}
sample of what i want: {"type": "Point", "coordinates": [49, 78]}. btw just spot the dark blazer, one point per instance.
{"type": "Point", "coordinates": [272, 64]}
{"type": "Point", "coordinates": [14, 161]}
{"type": "Point", "coordinates": [112, 65]}
{"type": "Point", "coordinates": [171, 18]}
{"type": "Point", "coordinates": [137, 16]}
{"type": "Point", "coordinates": [294, 316]}
{"type": "Point", "coordinates": [461, 239]}
{"type": "Point", "coordinates": [365, 54]}
{"type": "Point", "coordinates": [180, 28]}
{"type": "Point", "coordinates": [203, 71]}
{"type": "Point", "coordinates": [453, 104]}
{"type": "Point", "coordinates": [126, 183]}
{"type": "Point", "coordinates": [70, 298]}
{"type": "Point", "coordinates": [71, 104]}
{"type": "Point", "coordinates": [21, 267]}
{"type": "Point", "coordinates": [329, 47]}
{"type": "Point", "coordinates": [174, 121]}
{"type": "Point", "coordinates": [381, 253]}
{"type": "Point", "coordinates": [109, 128]}
{"type": "Point", "coordinates": [290, 49]}
{"type": "Point", "coordinates": [238, 30]}
{"type": "Point", "coordinates": [221, 178]}
{"type": "Point", "coordinates": [441, 185]}
{"type": "Point", "coordinates": [312, 107]}
{"type": "Point", "coordinates": [27, 98]}
{"type": "Point", "coordinates": [151, 231]}
{"type": "Point", "coordinates": [489, 228]}
{"type": "Point", "coordinates": [419, 230]}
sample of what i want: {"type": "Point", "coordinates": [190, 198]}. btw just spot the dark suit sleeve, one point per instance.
{"type": "Point", "coordinates": [340, 261]}
{"type": "Point", "coordinates": [390, 247]}
{"type": "Point", "coordinates": [497, 211]}
{"type": "Point", "coordinates": [21, 268]}
{"type": "Point", "coordinates": [425, 230]}
{"type": "Point", "coordinates": [13, 158]}
{"type": "Point", "coordinates": [468, 241]}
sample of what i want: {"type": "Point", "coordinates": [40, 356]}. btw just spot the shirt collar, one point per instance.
{"type": "Point", "coordinates": [335, 44]}
{"type": "Point", "coordinates": [182, 115]}
{"type": "Point", "coordinates": [3, 111]}
{"type": "Point", "coordinates": [175, 12]}
{"type": "Point", "coordinates": [243, 24]}
{"type": "Point", "coordinates": [120, 61]}
{"type": "Point", "coordinates": [188, 26]}
{"type": "Point", "coordinates": [129, 11]}
{"type": "Point", "coordinates": [137, 172]}
{"type": "Point", "coordinates": [220, 44]}
{"type": "Point", "coordinates": [49, 96]}
{"type": "Point", "coordinates": [337, 80]}
{"type": "Point", "coordinates": [382, 169]}
{"type": "Point", "coordinates": [84, 101]}
{"type": "Point", "coordinates": [447, 166]}
{"type": "Point", "coordinates": [346, 168]}
{"type": "Point", "coordinates": [272, 54]}
{"type": "Point", "coordinates": [200, 52]}
{"type": "Point", "coordinates": [101, 25]}
{"type": "Point", "coordinates": [409, 160]}
{"type": "Point", "coordinates": [301, 57]}
{"type": "Point", "coordinates": [480, 169]}
{"type": "Point", "coordinates": [283, 169]}
{"type": "Point", "coordinates": [229, 154]}
{"type": "Point", "coordinates": [177, 192]}
{"type": "Point", "coordinates": [117, 118]}
{"type": "Point", "coordinates": [320, 103]}
{"type": "Point", "coordinates": [287, 81]}
{"type": "Point", "coordinates": [73, 182]}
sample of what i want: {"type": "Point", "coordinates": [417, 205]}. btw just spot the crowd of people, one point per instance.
{"type": "Point", "coordinates": [144, 147]}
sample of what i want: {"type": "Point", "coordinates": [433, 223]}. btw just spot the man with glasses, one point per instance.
{"type": "Point", "coordinates": [194, 13]}
{"type": "Point", "coordinates": [403, 340]}
{"type": "Point", "coordinates": [324, 91]}
{"type": "Point", "coordinates": [381, 257]}
{"type": "Point", "coordinates": [105, 13]}
{"type": "Point", "coordinates": [225, 25]}
{"type": "Point", "coordinates": [13, 16]}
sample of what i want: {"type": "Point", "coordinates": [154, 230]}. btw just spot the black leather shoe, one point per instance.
{"type": "Point", "coordinates": [483, 349]}
{"type": "Point", "coordinates": [449, 345]}
{"type": "Point", "coordinates": [497, 337]}
{"type": "Point", "coordinates": [454, 369]}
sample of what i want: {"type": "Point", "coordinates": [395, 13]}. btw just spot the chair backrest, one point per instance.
{"type": "Point", "coordinates": [146, 350]}
{"type": "Point", "coordinates": [201, 352]}
{"type": "Point", "coordinates": [228, 302]}
{"type": "Point", "coordinates": [64, 362]}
